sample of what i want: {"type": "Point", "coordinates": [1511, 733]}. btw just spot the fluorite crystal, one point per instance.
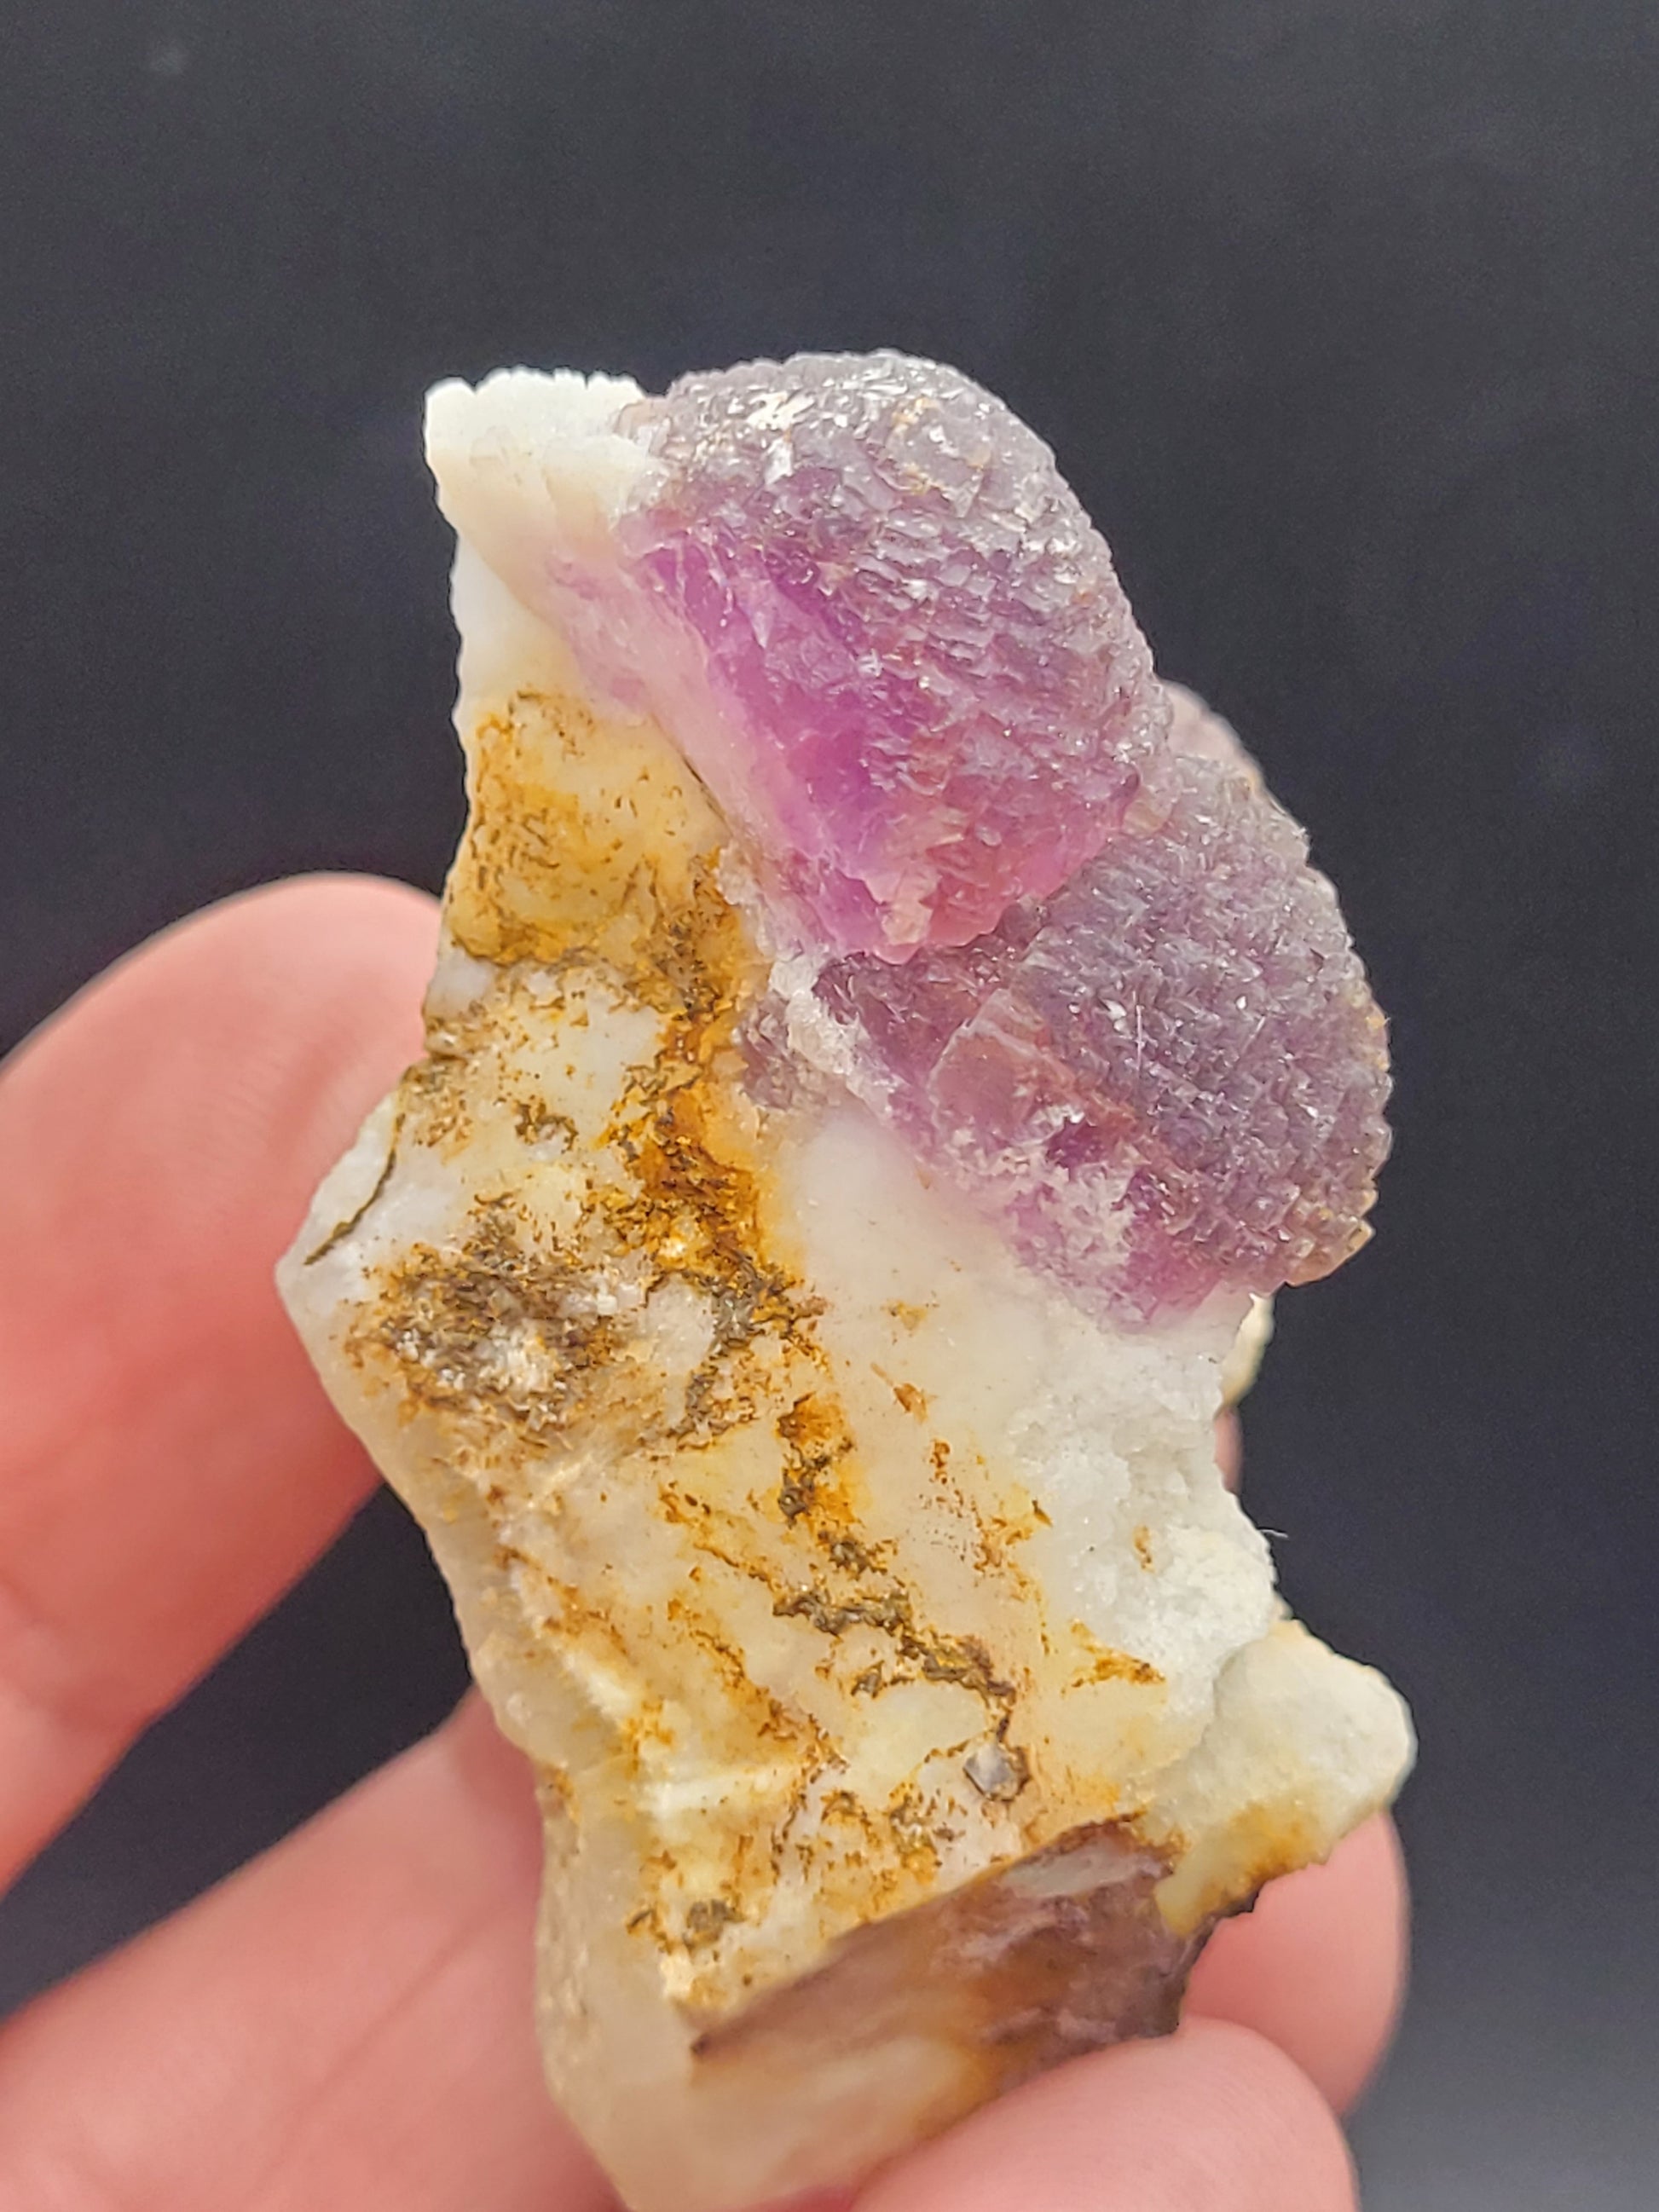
{"type": "Point", "coordinates": [884, 1041]}
{"type": "Point", "coordinates": [933, 695]}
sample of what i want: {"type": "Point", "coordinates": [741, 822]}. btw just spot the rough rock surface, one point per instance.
{"type": "Point", "coordinates": [839, 1535]}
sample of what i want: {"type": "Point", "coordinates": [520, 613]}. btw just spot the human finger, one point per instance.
{"type": "Point", "coordinates": [168, 1463]}
{"type": "Point", "coordinates": [346, 2021]}
{"type": "Point", "coordinates": [1229, 1447]}
{"type": "Point", "coordinates": [1319, 1967]}
{"type": "Point", "coordinates": [1213, 2119]}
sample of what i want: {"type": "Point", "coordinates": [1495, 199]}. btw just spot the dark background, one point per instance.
{"type": "Point", "coordinates": [1343, 318]}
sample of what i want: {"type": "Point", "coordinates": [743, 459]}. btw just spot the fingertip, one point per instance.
{"type": "Point", "coordinates": [1229, 1447]}
{"type": "Point", "coordinates": [493, 1775]}
{"type": "Point", "coordinates": [224, 1063]}
{"type": "Point", "coordinates": [1319, 1967]}
{"type": "Point", "coordinates": [1214, 2115]}
{"type": "Point", "coordinates": [168, 1461]}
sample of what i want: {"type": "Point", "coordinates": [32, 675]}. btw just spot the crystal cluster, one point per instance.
{"type": "Point", "coordinates": [883, 1042]}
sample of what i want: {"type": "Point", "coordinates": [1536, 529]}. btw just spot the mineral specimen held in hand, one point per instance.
{"type": "Point", "coordinates": [884, 1040]}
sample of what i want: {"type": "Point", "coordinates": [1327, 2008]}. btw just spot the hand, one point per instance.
{"type": "Point", "coordinates": [344, 2025]}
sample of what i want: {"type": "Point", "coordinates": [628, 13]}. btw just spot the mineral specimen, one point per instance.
{"type": "Point", "coordinates": [884, 1045]}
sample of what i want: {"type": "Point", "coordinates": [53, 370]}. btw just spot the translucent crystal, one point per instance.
{"type": "Point", "coordinates": [795, 1288]}
{"type": "Point", "coordinates": [1168, 1076]}
{"type": "Point", "coordinates": [941, 700]}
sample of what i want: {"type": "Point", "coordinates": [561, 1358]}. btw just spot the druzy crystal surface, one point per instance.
{"type": "Point", "coordinates": [1169, 1075]}
{"type": "Point", "coordinates": [937, 698]}
{"type": "Point", "coordinates": [884, 1046]}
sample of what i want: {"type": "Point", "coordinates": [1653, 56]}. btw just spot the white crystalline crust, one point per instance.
{"type": "Point", "coordinates": [822, 1559]}
{"type": "Point", "coordinates": [526, 459]}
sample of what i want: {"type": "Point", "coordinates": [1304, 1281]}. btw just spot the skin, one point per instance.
{"type": "Point", "coordinates": [346, 2021]}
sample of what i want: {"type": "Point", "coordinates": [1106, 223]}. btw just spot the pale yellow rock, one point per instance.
{"type": "Point", "coordinates": [906, 1694]}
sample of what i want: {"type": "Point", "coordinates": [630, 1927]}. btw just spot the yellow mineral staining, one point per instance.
{"type": "Point", "coordinates": [688, 1202]}
{"type": "Point", "coordinates": [1102, 1664]}
{"type": "Point", "coordinates": [909, 1819]}
{"type": "Point", "coordinates": [908, 1316]}
{"type": "Point", "coordinates": [704, 1920]}
{"type": "Point", "coordinates": [536, 1123]}
{"type": "Point", "coordinates": [918, 1650]}
{"type": "Point", "coordinates": [796, 1730]}
{"type": "Point", "coordinates": [588, 882]}
{"type": "Point", "coordinates": [496, 1332]}
{"type": "Point", "coordinates": [433, 1105]}
{"type": "Point", "coordinates": [992, 1531]}
{"type": "Point", "coordinates": [767, 1717]}
{"type": "Point", "coordinates": [578, 839]}
{"type": "Point", "coordinates": [817, 1446]}
{"type": "Point", "coordinates": [1226, 1870]}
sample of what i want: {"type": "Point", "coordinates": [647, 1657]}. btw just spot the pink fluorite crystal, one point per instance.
{"type": "Point", "coordinates": [1074, 952]}
{"type": "Point", "coordinates": [943, 700]}
{"type": "Point", "coordinates": [1168, 1078]}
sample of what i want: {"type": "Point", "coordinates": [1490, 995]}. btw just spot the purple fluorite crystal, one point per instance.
{"type": "Point", "coordinates": [1168, 1078]}
{"type": "Point", "coordinates": [1076, 954]}
{"type": "Point", "coordinates": [943, 700]}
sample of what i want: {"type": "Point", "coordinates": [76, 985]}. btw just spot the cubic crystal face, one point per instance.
{"type": "Point", "coordinates": [882, 1041]}
{"type": "Point", "coordinates": [944, 700]}
{"type": "Point", "coordinates": [1168, 1076]}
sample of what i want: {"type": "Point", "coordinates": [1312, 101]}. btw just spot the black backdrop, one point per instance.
{"type": "Point", "coordinates": [1343, 316]}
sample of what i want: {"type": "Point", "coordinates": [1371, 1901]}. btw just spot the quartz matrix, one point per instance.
{"type": "Point", "coordinates": [885, 1045]}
